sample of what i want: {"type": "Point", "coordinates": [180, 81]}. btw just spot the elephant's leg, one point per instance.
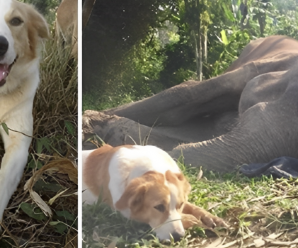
{"type": "Point", "coordinates": [190, 99]}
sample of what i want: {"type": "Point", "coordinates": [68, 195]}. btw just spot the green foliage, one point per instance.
{"type": "Point", "coordinates": [5, 128]}
{"type": "Point", "coordinates": [114, 29]}
{"type": "Point", "coordinates": [33, 211]}
{"type": "Point", "coordinates": [226, 51]}
{"type": "Point", "coordinates": [228, 35]}
{"type": "Point", "coordinates": [41, 186]}
{"type": "Point", "coordinates": [136, 78]}
{"type": "Point", "coordinates": [161, 53]}
{"type": "Point", "coordinates": [178, 66]}
{"type": "Point", "coordinates": [62, 221]}
{"type": "Point", "coordinates": [283, 19]}
{"type": "Point", "coordinates": [146, 64]}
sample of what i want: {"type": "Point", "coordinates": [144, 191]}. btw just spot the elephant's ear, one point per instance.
{"type": "Point", "coordinates": [133, 196]}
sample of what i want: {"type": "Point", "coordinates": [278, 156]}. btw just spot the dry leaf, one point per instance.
{"type": "Point", "coordinates": [200, 174]}
{"type": "Point", "coordinates": [236, 241]}
{"type": "Point", "coordinates": [281, 243]}
{"type": "Point", "coordinates": [259, 242]}
{"type": "Point", "coordinates": [113, 244]}
{"type": "Point", "coordinates": [52, 200]}
{"type": "Point", "coordinates": [72, 241]}
{"type": "Point", "coordinates": [40, 202]}
{"type": "Point", "coordinates": [215, 243]}
{"type": "Point", "coordinates": [63, 166]}
{"type": "Point", "coordinates": [274, 235]}
{"type": "Point", "coordinates": [212, 205]}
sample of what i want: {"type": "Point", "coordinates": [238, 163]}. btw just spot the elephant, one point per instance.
{"type": "Point", "coordinates": [249, 114]}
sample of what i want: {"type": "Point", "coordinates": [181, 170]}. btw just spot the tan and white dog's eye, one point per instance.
{"type": "Point", "coordinates": [16, 21]}
{"type": "Point", "coordinates": [161, 208]}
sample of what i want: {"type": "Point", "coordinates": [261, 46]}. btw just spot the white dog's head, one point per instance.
{"type": "Point", "coordinates": [21, 28]}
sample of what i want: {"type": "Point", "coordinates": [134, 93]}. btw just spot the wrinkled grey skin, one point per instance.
{"type": "Point", "coordinates": [267, 128]}
{"type": "Point", "coordinates": [247, 115]}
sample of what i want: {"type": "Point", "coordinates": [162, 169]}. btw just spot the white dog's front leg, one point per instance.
{"type": "Point", "coordinates": [13, 163]}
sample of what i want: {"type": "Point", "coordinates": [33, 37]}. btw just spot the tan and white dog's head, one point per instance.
{"type": "Point", "coordinates": [158, 200]}
{"type": "Point", "coordinates": [21, 28]}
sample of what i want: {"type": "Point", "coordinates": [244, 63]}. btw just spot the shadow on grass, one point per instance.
{"type": "Point", "coordinates": [102, 225]}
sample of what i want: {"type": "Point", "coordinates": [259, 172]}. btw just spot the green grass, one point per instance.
{"type": "Point", "coordinates": [254, 208]}
{"type": "Point", "coordinates": [97, 101]}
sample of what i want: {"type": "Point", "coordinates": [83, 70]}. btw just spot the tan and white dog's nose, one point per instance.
{"type": "Point", "coordinates": [3, 46]}
{"type": "Point", "coordinates": [177, 236]}
{"type": "Point", "coordinates": [171, 227]}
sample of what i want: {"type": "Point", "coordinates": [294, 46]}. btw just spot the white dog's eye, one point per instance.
{"type": "Point", "coordinates": [16, 21]}
{"type": "Point", "coordinates": [160, 208]}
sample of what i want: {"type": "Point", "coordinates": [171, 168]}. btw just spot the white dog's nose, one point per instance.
{"type": "Point", "coordinates": [3, 46]}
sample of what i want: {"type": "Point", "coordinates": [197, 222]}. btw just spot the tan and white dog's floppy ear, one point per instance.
{"type": "Point", "coordinates": [39, 24]}
{"type": "Point", "coordinates": [179, 180]}
{"type": "Point", "coordinates": [133, 196]}
{"type": "Point", "coordinates": [174, 177]}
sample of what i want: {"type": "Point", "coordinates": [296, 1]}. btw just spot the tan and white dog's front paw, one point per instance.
{"type": "Point", "coordinates": [212, 221]}
{"type": "Point", "coordinates": [200, 217]}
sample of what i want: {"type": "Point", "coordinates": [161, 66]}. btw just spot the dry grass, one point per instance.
{"type": "Point", "coordinates": [54, 147]}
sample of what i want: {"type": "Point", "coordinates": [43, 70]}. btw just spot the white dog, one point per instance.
{"type": "Point", "coordinates": [21, 31]}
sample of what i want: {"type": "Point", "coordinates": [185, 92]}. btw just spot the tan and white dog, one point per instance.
{"type": "Point", "coordinates": [67, 24]}
{"type": "Point", "coordinates": [21, 30]}
{"type": "Point", "coordinates": [145, 184]}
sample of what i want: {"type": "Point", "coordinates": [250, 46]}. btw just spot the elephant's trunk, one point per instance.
{"type": "Point", "coordinates": [218, 154]}
{"type": "Point", "coordinates": [224, 153]}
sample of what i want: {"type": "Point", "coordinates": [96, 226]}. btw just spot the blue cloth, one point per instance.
{"type": "Point", "coordinates": [285, 167]}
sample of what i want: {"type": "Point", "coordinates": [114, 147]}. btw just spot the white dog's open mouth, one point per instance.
{"type": "Point", "coordinates": [4, 72]}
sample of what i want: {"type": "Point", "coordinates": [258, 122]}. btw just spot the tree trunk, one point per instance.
{"type": "Point", "coordinates": [200, 77]}
{"type": "Point", "coordinates": [198, 54]}
{"type": "Point", "coordinates": [204, 45]}
{"type": "Point", "coordinates": [193, 19]}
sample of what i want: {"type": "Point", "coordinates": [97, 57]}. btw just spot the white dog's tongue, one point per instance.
{"type": "Point", "coordinates": [3, 71]}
